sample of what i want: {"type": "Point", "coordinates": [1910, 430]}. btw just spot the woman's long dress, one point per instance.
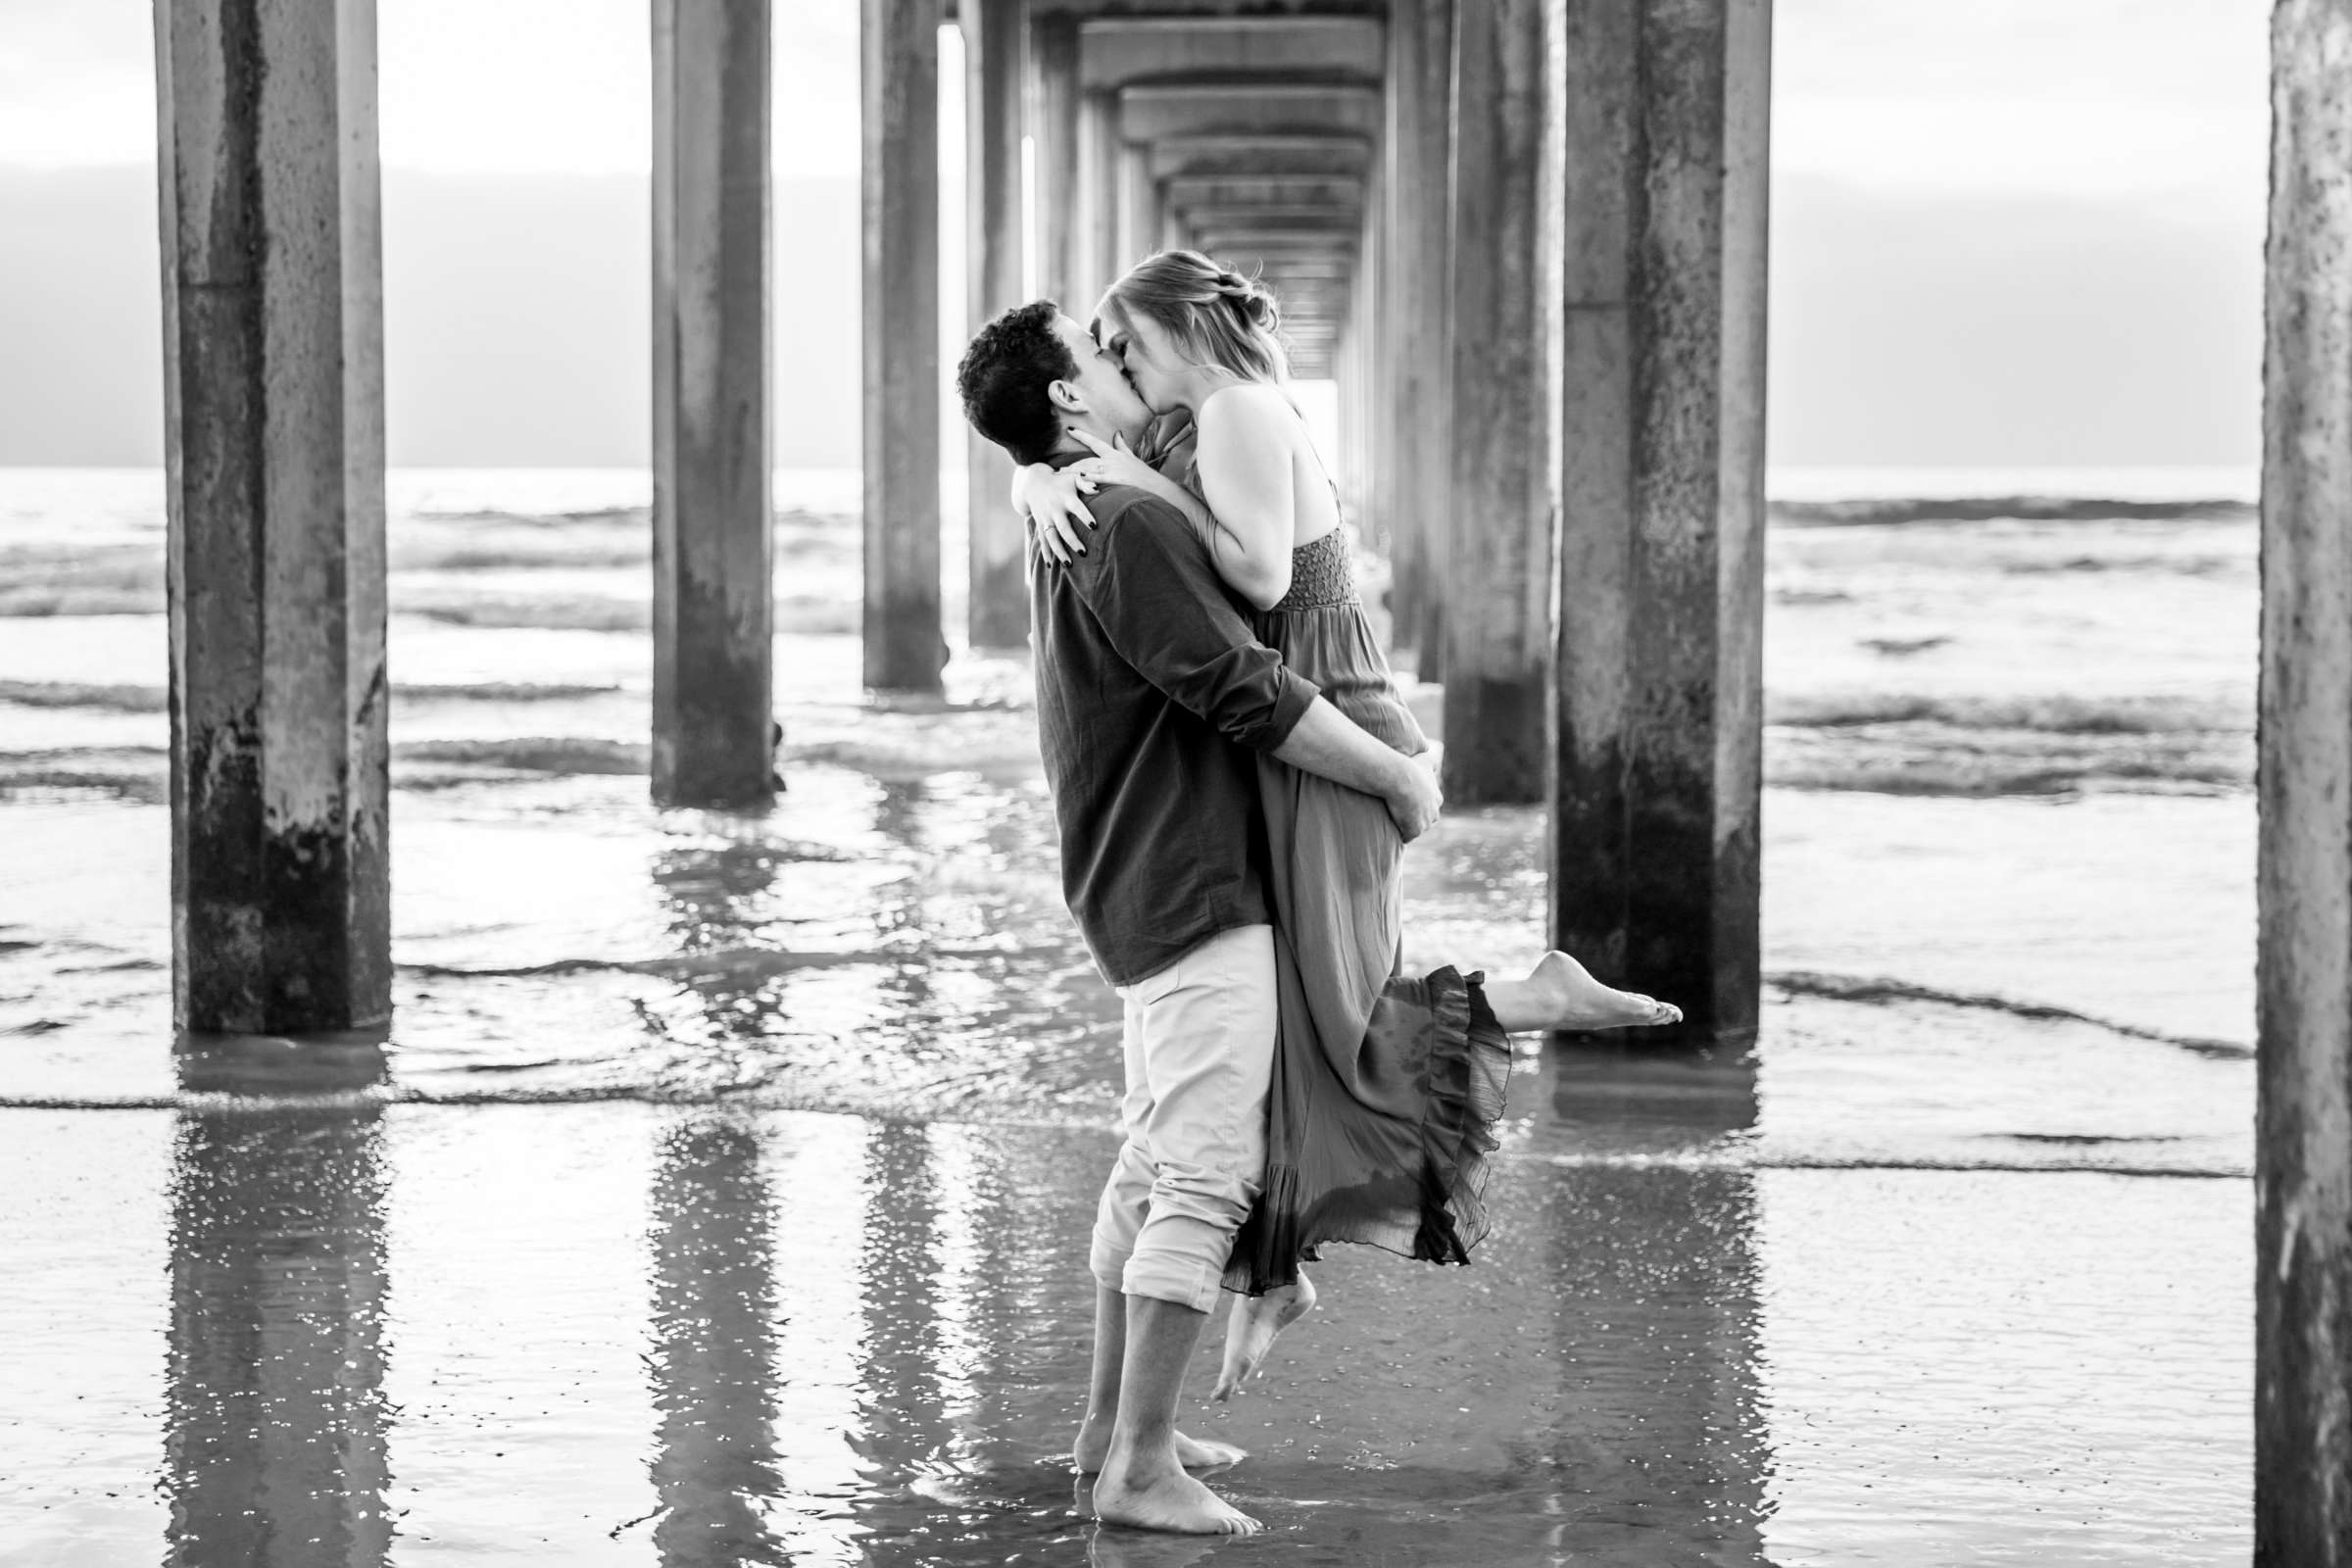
{"type": "Point", "coordinates": [1387, 1087]}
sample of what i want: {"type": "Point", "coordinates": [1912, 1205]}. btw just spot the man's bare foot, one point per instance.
{"type": "Point", "coordinates": [1160, 1496]}
{"type": "Point", "coordinates": [1250, 1332]}
{"type": "Point", "coordinates": [1194, 1453]}
{"type": "Point", "coordinates": [1561, 994]}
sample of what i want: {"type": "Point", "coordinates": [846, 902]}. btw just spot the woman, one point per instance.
{"type": "Point", "coordinates": [1386, 1086]}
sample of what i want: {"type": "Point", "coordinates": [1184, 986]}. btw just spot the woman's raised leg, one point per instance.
{"type": "Point", "coordinates": [1560, 993]}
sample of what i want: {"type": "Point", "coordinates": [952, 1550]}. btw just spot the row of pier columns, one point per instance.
{"type": "Point", "coordinates": [1528, 240]}
{"type": "Point", "coordinates": [1531, 237]}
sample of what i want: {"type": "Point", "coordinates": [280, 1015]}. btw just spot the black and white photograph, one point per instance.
{"type": "Point", "coordinates": [1176, 783]}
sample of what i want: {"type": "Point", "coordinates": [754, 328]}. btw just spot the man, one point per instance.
{"type": "Point", "coordinates": [1151, 699]}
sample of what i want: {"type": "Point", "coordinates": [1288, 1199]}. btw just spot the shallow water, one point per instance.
{"type": "Point", "coordinates": [631, 1333]}
{"type": "Point", "coordinates": [720, 1191]}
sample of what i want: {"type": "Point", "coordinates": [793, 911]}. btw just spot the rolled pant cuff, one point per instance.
{"type": "Point", "coordinates": [1165, 1280]}
{"type": "Point", "coordinates": [1109, 1271]}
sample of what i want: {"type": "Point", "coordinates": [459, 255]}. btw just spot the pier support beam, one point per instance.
{"type": "Point", "coordinates": [903, 646]}
{"type": "Point", "coordinates": [714, 550]}
{"type": "Point", "coordinates": [1419, 148]}
{"type": "Point", "coordinates": [1139, 208]}
{"type": "Point", "coordinates": [1369, 333]}
{"type": "Point", "coordinates": [1501, 558]}
{"type": "Point", "coordinates": [1053, 126]}
{"type": "Point", "coordinates": [2303, 1161]}
{"type": "Point", "coordinates": [1097, 205]}
{"type": "Point", "coordinates": [274, 483]}
{"type": "Point", "coordinates": [1658, 669]}
{"type": "Point", "coordinates": [999, 615]}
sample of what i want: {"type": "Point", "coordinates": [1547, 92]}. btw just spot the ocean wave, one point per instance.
{"type": "Point", "coordinates": [137, 774]}
{"type": "Point", "coordinates": [154, 699]}
{"type": "Point", "coordinates": [37, 602]}
{"type": "Point", "coordinates": [922, 757]}
{"type": "Point", "coordinates": [739, 963]}
{"type": "Point", "coordinates": [532, 613]}
{"type": "Point", "coordinates": [913, 1107]}
{"type": "Point", "coordinates": [2182, 566]}
{"type": "Point", "coordinates": [1986, 746]}
{"type": "Point", "coordinates": [1886, 992]}
{"type": "Point", "coordinates": [1889, 759]}
{"type": "Point", "coordinates": [1741, 1156]}
{"type": "Point", "coordinates": [141, 773]}
{"type": "Point", "coordinates": [564, 555]}
{"type": "Point", "coordinates": [1999, 509]}
{"type": "Point", "coordinates": [76, 694]}
{"type": "Point", "coordinates": [936, 1103]}
{"type": "Point", "coordinates": [799, 615]}
{"type": "Point", "coordinates": [531, 753]}
{"type": "Point", "coordinates": [753, 962]}
{"type": "Point", "coordinates": [498, 691]}
{"type": "Point", "coordinates": [44, 580]}
{"type": "Point", "coordinates": [641, 517]}
{"type": "Point", "coordinates": [2015, 764]}
{"type": "Point", "coordinates": [2054, 714]}
{"type": "Point", "coordinates": [794, 517]}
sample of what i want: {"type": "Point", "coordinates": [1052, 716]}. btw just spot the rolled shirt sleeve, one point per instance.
{"type": "Point", "coordinates": [1163, 608]}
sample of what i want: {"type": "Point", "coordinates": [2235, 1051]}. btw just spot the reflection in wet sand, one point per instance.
{"type": "Point", "coordinates": [274, 1435]}
{"type": "Point", "coordinates": [1656, 1308]}
{"type": "Point", "coordinates": [715, 1364]}
{"type": "Point", "coordinates": [906, 1437]}
{"type": "Point", "coordinates": [717, 895]}
{"type": "Point", "coordinates": [864, 1345]}
{"type": "Point", "coordinates": [941, 1361]}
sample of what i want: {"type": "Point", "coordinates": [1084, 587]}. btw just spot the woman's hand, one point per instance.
{"type": "Point", "coordinates": [1113, 463]}
{"type": "Point", "coordinates": [1050, 499]}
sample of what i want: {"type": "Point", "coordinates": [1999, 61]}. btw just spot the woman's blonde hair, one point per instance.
{"type": "Point", "coordinates": [1212, 314]}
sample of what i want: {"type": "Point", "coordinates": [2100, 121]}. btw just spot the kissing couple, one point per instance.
{"type": "Point", "coordinates": [1235, 777]}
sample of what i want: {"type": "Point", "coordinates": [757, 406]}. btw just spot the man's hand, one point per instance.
{"type": "Point", "coordinates": [1414, 801]}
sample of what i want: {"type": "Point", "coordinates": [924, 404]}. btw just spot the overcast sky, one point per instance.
{"type": "Point", "coordinates": [2080, 179]}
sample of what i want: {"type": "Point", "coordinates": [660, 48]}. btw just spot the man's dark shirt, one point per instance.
{"type": "Point", "coordinates": [1152, 697]}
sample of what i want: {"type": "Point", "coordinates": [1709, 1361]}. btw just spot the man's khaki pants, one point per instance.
{"type": "Point", "coordinates": [1200, 1047]}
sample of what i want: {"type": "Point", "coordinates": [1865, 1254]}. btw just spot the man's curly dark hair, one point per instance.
{"type": "Point", "coordinates": [1004, 377]}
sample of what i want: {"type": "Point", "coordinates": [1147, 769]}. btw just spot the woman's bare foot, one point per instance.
{"type": "Point", "coordinates": [1146, 1495]}
{"type": "Point", "coordinates": [1561, 994]}
{"type": "Point", "coordinates": [1250, 1332]}
{"type": "Point", "coordinates": [1194, 1453]}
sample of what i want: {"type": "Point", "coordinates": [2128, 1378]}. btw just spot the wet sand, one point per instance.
{"type": "Point", "coordinates": [636, 1334]}
{"type": "Point", "coordinates": [566, 1273]}
{"type": "Point", "coordinates": [719, 1194]}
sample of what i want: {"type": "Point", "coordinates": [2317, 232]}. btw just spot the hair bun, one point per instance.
{"type": "Point", "coordinates": [1250, 297]}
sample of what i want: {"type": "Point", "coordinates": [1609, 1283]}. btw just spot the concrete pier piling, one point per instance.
{"type": "Point", "coordinates": [714, 550]}
{"type": "Point", "coordinates": [1053, 102]}
{"type": "Point", "coordinates": [1096, 213]}
{"type": "Point", "coordinates": [1138, 207]}
{"type": "Point", "coordinates": [903, 650]}
{"type": "Point", "coordinates": [1417, 424]}
{"type": "Point", "coordinates": [274, 411]}
{"type": "Point", "coordinates": [1499, 558]}
{"type": "Point", "coordinates": [998, 611]}
{"type": "Point", "coordinates": [2303, 1162]}
{"type": "Point", "coordinates": [1655, 784]}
